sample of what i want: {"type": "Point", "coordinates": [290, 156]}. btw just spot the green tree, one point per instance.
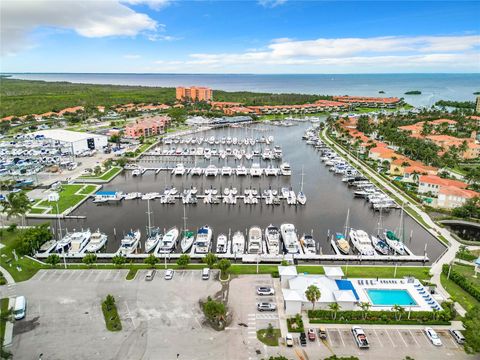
{"type": "Point", "coordinates": [471, 322]}
{"type": "Point", "coordinates": [183, 261]}
{"type": "Point", "coordinates": [32, 238]}
{"type": "Point", "coordinates": [210, 259]}
{"type": "Point", "coordinates": [119, 260]}
{"type": "Point", "coordinates": [335, 307]}
{"type": "Point", "coordinates": [151, 260]}
{"type": "Point", "coordinates": [214, 310]}
{"type": "Point", "coordinates": [53, 260]}
{"type": "Point", "coordinates": [313, 294]}
{"type": "Point", "coordinates": [89, 259]}
{"type": "Point", "coordinates": [398, 310]}
{"type": "Point", "coordinates": [17, 205]}
{"type": "Point", "coordinates": [178, 115]}
{"type": "Point", "coordinates": [224, 265]}
{"type": "Point", "coordinates": [365, 306]}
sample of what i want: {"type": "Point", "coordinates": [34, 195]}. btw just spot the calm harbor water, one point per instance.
{"type": "Point", "coordinates": [434, 87]}
{"type": "Point", "coordinates": [326, 208]}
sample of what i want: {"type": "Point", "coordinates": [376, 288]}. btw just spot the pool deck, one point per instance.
{"type": "Point", "coordinates": [414, 288]}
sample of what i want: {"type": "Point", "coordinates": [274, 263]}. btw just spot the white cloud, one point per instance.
{"type": "Point", "coordinates": [153, 4]}
{"type": "Point", "coordinates": [271, 3]}
{"type": "Point", "coordinates": [88, 18]}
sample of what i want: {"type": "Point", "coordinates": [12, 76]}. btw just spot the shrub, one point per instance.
{"type": "Point", "coordinates": [462, 281]}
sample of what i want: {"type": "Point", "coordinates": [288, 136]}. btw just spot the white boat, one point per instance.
{"type": "Point", "coordinates": [168, 242]}
{"type": "Point", "coordinates": [211, 170]}
{"type": "Point", "coordinates": [285, 169]}
{"type": "Point", "coordinates": [203, 242]}
{"type": "Point", "coordinates": [256, 170]}
{"type": "Point", "coordinates": [271, 171]}
{"type": "Point", "coordinates": [290, 238]}
{"type": "Point", "coordinates": [196, 171]}
{"type": "Point", "coordinates": [342, 243]}
{"type": "Point", "coordinates": [301, 198]}
{"type": "Point", "coordinates": [394, 242]}
{"type": "Point", "coordinates": [308, 244]}
{"type": "Point", "coordinates": [254, 240]}
{"type": "Point", "coordinates": [79, 241]}
{"type": "Point", "coordinates": [129, 243]}
{"type": "Point", "coordinates": [227, 171]}
{"type": "Point", "coordinates": [238, 243]}
{"type": "Point", "coordinates": [241, 170]}
{"type": "Point", "coordinates": [380, 245]}
{"type": "Point", "coordinates": [154, 237]}
{"type": "Point", "coordinates": [150, 196]}
{"type": "Point", "coordinates": [48, 246]}
{"type": "Point", "coordinates": [64, 243]}
{"type": "Point", "coordinates": [188, 237]}
{"type": "Point", "coordinates": [137, 172]}
{"type": "Point", "coordinates": [179, 170]}
{"type": "Point", "coordinates": [221, 244]}
{"type": "Point", "coordinates": [361, 241]}
{"type": "Point", "coordinates": [133, 196]}
{"type": "Point", "coordinates": [97, 242]}
{"type": "Point", "coordinates": [272, 238]}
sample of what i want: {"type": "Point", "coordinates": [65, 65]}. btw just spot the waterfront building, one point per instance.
{"type": "Point", "coordinates": [194, 93]}
{"type": "Point", "coordinates": [432, 184]}
{"type": "Point", "coordinates": [450, 197]}
{"type": "Point", "coordinates": [366, 101]}
{"type": "Point", "coordinates": [75, 141]}
{"type": "Point", "coordinates": [147, 127]}
{"type": "Point", "coordinates": [477, 105]}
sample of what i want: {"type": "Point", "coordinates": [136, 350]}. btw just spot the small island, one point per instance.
{"type": "Point", "coordinates": [381, 92]}
{"type": "Point", "coordinates": [413, 92]}
{"type": "Point", "coordinates": [476, 93]}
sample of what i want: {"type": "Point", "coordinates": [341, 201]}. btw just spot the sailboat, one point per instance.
{"type": "Point", "coordinates": [308, 244]}
{"type": "Point", "coordinates": [379, 244]}
{"type": "Point", "coordinates": [341, 239]}
{"type": "Point", "coordinates": [394, 241]}
{"type": "Point", "coordinates": [301, 198]}
{"type": "Point", "coordinates": [153, 234]}
{"type": "Point", "coordinates": [188, 237]}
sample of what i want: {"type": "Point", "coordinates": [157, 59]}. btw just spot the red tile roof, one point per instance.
{"type": "Point", "coordinates": [436, 180]}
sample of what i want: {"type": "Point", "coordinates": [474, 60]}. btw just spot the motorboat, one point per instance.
{"type": "Point", "coordinates": [285, 169]}
{"type": "Point", "coordinates": [79, 241]}
{"type": "Point", "coordinates": [129, 243]}
{"type": "Point", "coordinates": [47, 246]}
{"type": "Point", "coordinates": [394, 242]}
{"type": "Point", "coordinates": [203, 242]}
{"type": "Point", "coordinates": [137, 172]}
{"type": "Point", "coordinates": [361, 241]}
{"type": "Point", "coordinates": [168, 242]}
{"type": "Point", "coordinates": [342, 243]}
{"type": "Point", "coordinates": [221, 244]}
{"type": "Point", "coordinates": [153, 239]}
{"type": "Point", "coordinates": [97, 242]}
{"type": "Point", "coordinates": [380, 245]}
{"type": "Point", "coordinates": [227, 171]}
{"type": "Point", "coordinates": [271, 171]}
{"type": "Point", "coordinates": [256, 170]}
{"type": "Point", "coordinates": [241, 170]}
{"type": "Point", "coordinates": [238, 243]}
{"type": "Point", "coordinates": [179, 170]}
{"type": "Point", "coordinates": [290, 238]}
{"type": "Point", "coordinates": [132, 196]}
{"type": "Point", "coordinates": [188, 237]}
{"type": "Point", "coordinates": [64, 243]}
{"type": "Point", "coordinates": [151, 196]}
{"type": "Point", "coordinates": [254, 240]}
{"type": "Point", "coordinates": [308, 244]}
{"type": "Point", "coordinates": [211, 170]}
{"type": "Point", "coordinates": [272, 238]}
{"type": "Point", "coordinates": [196, 171]}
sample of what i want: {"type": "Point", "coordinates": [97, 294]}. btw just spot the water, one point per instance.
{"type": "Point", "coordinates": [390, 297]}
{"type": "Point", "coordinates": [326, 208]}
{"type": "Point", "coordinates": [434, 87]}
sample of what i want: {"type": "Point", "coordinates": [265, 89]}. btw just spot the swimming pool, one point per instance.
{"type": "Point", "coordinates": [390, 297]}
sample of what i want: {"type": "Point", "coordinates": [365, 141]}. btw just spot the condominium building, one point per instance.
{"type": "Point", "coordinates": [194, 93]}
{"type": "Point", "coordinates": [147, 127]}
{"type": "Point", "coordinates": [477, 105]}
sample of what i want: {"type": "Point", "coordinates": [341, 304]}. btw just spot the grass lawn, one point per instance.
{"type": "Point", "coordinates": [131, 273]}
{"type": "Point", "coordinates": [271, 340]}
{"type": "Point", "coordinates": [68, 198]}
{"type": "Point", "coordinates": [107, 175]}
{"type": "Point", "coordinates": [3, 309]}
{"type": "Point", "coordinates": [468, 272]}
{"type": "Point", "coordinates": [88, 189]}
{"type": "Point", "coordinates": [112, 320]}
{"type": "Point", "coordinates": [27, 267]}
{"type": "Point", "coordinates": [458, 294]}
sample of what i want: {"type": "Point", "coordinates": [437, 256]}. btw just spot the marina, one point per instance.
{"type": "Point", "coordinates": [261, 233]}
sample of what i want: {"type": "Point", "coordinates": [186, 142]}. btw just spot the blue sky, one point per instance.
{"type": "Point", "coordinates": [278, 36]}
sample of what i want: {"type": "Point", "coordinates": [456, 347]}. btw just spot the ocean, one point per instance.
{"type": "Point", "coordinates": [434, 87]}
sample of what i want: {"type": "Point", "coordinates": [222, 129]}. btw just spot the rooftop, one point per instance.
{"type": "Point", "coordinates": [66, 135]}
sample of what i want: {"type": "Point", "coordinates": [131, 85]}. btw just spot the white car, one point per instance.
{"type": "Point", "coordinates": [289, 340]}
{"type": "Point", "coordinates": [433, 337]}
{"type": "Point", "coordinates": [266, 306]}
{"type": "Point", "coordinates": [265, 290]}
{"type": "Point", "coordinates": [169, 274]}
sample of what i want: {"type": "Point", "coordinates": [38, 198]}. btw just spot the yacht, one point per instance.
{"type": "Point", "coordinates": [308, 244]}
{"type": "Point", "coordinates": [169, 241]}
{"type": "Point", "coordinates": [256, 170]}
{"type": "Point", "coordinates": [137, 172]}
{"type": "Point", "coordinates": [394, 242]}
{"type": "Point", "coordinates": [254, 240]}
{"type": "Point", "coordinates": [342, 243]}
{"type": "Point", "coordinates": [227, 171]}
{"type": "Point", "coordinates": [290, 239]}
{"type": "Point", "coordinates": [285, 169]}
{"type": "Point", "coordinates": [129, 243]}
{"type": "Point", "coordinates": [203, 242]}
{"type": "Point", "coordinates": [211, 170]}
{"type": "Point", "coordinates": [277, 150]}
{"type": "Point", "coordinates": [271, 171]}
{"type": "Point", "coordinates": [153, 239]}
{"type": "Point", "coordinates": [47, 246]}
{"type": "Point", "coordinates": [64, 243]}
{"type": "Point", "coordinates": [241, 170]}
{"type": "Point", "coordinates": [196, 171]}
{"type": "Point", "coordinates": [150, 196]}
{"type": "Point", "coordinates": [272, 238]}
{"type": "Point", "coordinates": [179, 170]}
{"type": "Point", "coordinates": [97, 242]}
{"type": "Point", "coordinates": [380, 245]}
{"type": "Point", "coordinates": [238, 243]}
{"type": "Point", "coordinates": [188, 237]}
{"type": "Point", "coordinates": [132, 196]}
{"type": "Point", "coordinates": [79, 241]}
{"type": "Point", "coordinates": [221, 244]}
{"type": "Point", "coordinates": [361, 241]}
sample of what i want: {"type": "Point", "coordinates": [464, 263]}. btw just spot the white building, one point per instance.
{"type": "Point", "coordinates": [74, 140]}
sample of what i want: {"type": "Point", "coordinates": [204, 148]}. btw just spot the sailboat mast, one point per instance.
{"type": "Point", "coordinates": [184, 220]}
{"type": "Point", "coordinates": [346, 224]}
{"type": "Point", "coordinates": [148, 216]}
{"type": "Point", "coordinates": [379, 222]}
{"type": "Point", "coordinates": [301, 185]}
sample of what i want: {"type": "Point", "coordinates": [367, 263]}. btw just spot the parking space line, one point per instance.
{"type": "Point", "coordinates": [401, 336]}
{"type": "Point", "coordinates": [90, 274]}
{"type": "Point", "coordinates": [341, 337]}
{"type": "Point", "coordinates": [44, 273]}
{"type": "Point", "coordinates": [393, 344]}
{"type": "Point", "coordinates": [452, 341]}
{"type": "Point", "coordinates": [378, 338]}
{"type": "Point", "coordinates": [426, 337]}
{"type": "Point", "coordinates": [413, 336]}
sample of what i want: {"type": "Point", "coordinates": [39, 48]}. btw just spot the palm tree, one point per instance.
{"type": "Point", "coordinates": [434, 312]}
{"type": "Point", "coordinates": [223, 265]}
{"type": "Point", "coordinates": [210, 259]}
{"type": "Point", "coordinates": [17, 204]}
{"type": "Point", "coordinates": [335, 307]}
{"type": "Point", "coordinates": [365, 306]}
{"type": "Point", "coordinates": [396, 309]}
{"type": "Point", "coordinates": [313, 294]}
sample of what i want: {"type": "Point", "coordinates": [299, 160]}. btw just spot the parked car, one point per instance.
{"type": "Point", "coordinates": [303, 339]}
{"type": "Point", "coordinates": [169, 274]}
{"type": "Point", "coordinates": [322, 333]}
{"type": "Point", "coordinates": [266, 306]}
{"type": "Point", "coordinates": [432, 336]}
{"type": "Point", "coordinates": [20, 308]}
{"type": "Point", "coordinates": [360, 337]}
{"type": "Point", "coordinates": [289, 340]}
{"type": "Point", "coordinates": [264, 290]}
{"type": "Point", "coordinates": [150, 275]}
{"type": "Point", "coordinates": [311, 334]}
{"type": "Point", "coordinates": [458, 336]}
